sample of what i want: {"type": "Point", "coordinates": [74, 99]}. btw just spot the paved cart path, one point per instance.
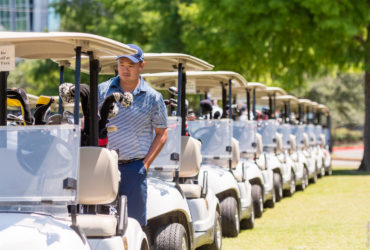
{"type": "Point", "coordinates": [331, 214]}
{"type": "Point", "coordinates": [347, 156]}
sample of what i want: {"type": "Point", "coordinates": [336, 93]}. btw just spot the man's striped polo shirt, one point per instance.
{"type": "Point", "coordinates": [135, 124]}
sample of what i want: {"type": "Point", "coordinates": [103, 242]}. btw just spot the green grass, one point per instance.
{"type": "Point", "coordinates": [332, 214]}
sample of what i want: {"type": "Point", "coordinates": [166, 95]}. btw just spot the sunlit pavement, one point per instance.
{"type": "Point", "coordinates": [348, 153]}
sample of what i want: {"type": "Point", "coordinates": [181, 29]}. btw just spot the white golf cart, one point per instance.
{"type": "Point", "coordinates": [245, 131]}
{"type": "Point", "coordinates": [324, 112]}
{"type": "Point", "coordinates": [46, 173]}
{"type": "Point", "coordinates": [175, 200]}
{"type": "Point", "coordinates": [272, 143]}
{"type": "Point", "coordinates": [289, 154]}
{"type": "Point", "coordinates": [219, 151]}
{"type": "Point", "coordinates": [306, 139]}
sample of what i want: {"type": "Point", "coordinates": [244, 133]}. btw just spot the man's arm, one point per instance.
{"type": "Point", "coordinates": [161, 135]}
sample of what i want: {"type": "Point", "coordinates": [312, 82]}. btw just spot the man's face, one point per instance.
{"type": "Point", "coordinates": [129, 71]}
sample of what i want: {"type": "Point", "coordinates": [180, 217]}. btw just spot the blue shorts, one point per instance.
{"type": "Point", "coordinates": [134, 186]}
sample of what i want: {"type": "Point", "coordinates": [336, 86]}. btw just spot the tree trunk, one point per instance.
{"type": "Point", "coordinates": [365, 164]}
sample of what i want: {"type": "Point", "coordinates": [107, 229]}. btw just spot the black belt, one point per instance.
{"type": "Point", "coordinates": [128, 161]}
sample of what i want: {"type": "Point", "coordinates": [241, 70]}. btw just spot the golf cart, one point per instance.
{"type": "Point", "coordinates": [245, 131]}
{"type": "Point", "coordinates": [272, 142]}
{"type": "Point", "coordinates": [306, 138]}
{"type": "Point", "coordinates": [290, 155]}
{"type": "Point", "coordinates": [325, 137]}
{"type": "Point", "coordinates": [220, 156]}
{"type": "Point", "coordinates": [46, 173]}
{"type": "Point", "coordinates": [175, 201]}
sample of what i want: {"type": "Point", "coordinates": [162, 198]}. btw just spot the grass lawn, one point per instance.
{"type": "Point", "coordinates": [332, 214]}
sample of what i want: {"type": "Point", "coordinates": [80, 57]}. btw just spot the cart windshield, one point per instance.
{"type": "Point", "coordinates": [268, 129]}
{"type": "Point", "coordinates": [215, 136]}
{"type": "Point", "coordinates": [36, 164]}
{"type": "Point", "coordinates": [167, 160]}
{"type": "Point", "coordinates": [310, 130]}
{"type": "Point", "coordinates": [245, 132]}
{"type": "Point", "coordinates": [298, 131]}
{"type": "Point", "coordinates": [285, 131]}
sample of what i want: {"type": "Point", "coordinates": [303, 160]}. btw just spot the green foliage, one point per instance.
{"type": "Point", "coordinates": [281, 42]}
{"type": "Point", "coordinates": [344, 135]}
{"type": "Point", "coordinates": [343, 94]}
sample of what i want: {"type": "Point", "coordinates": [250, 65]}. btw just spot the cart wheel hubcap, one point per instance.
{"type": "Point", "coordinates": [183, 243]}
{"type": "Point", "coordinates": [218, 234]}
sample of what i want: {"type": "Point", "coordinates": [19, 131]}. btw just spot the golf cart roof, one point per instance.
{"type": "Point", "coordinates": [305, 102]}
{"type": "Point", "coordinates": [269, 91]}
{"type": "Point", "coordinates": [43, 45]}
{"type": "Point", "coordinates": [256, 85]}
{"type": "Point", "coordinates": [323, 108]}
{"type": "Point", "coordinates": [203, 80]}
{"type": "Point", "coordinates": [155, 62]}
{"type": "Point", "coordinates": [287, 98]}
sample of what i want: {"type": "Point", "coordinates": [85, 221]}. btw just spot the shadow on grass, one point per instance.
{"type": "Point", "coordinates": [349, 172]}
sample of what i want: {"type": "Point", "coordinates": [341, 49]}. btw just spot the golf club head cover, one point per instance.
{"type": "Point", "coordinates": [42, 107]}
{"type": "Point", "coordinates": [67, 93]}
{"type": "Point", "coordinates": [18, 97]}
{"type": "Point", "coordinates": [109, 110]}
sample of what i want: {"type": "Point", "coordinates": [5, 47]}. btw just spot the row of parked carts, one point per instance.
{"type": "Point", "coordinates": [213, 177]}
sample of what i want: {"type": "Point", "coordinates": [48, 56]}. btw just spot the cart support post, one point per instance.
{"type": "Point", "coordinates": [94, 74]}
{"type": "Point", "coordinates": [3, 88]}
{"type": "Point", "coordinates": [77, 86]}
{"type": "Point", "coordinates": [61, 79]}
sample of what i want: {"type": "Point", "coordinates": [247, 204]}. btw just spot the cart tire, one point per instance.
{"type": "Point", "coordinates": [314, 178]}
{"type": "Point", "coordinates": [278, 187]}
{"type": "Point", "coordinates": [292, 185]}
{"type": "Point", "coordinates": [248, 223]}
{"type": "Point", "coordinates": [230, 217]}
{"type": "Point", "coordinates": [271, 203]}
{"type": "Point", "coordinates": [217, 236]}
{"type": "Point", "coordinates": [171, 237]}
{"type": "Point", "coordinates": [257, 200]}
{"type": "Point", "coordinates": [304, 182]}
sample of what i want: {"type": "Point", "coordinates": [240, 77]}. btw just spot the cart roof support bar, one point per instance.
{"type": "Point", "coordinates": [3, 87]}
{"type": "Point", "coordinates": [248, 104]}
{"type": "Point", "coordinates": [77, 86]}
{"type": "Point", "coordinates": [61, 79]}
{"type": "Point", "coordinates": [94, 74]}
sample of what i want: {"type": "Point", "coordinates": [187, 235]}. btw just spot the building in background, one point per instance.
{"type": "Point", "coordinates": [28, 15]}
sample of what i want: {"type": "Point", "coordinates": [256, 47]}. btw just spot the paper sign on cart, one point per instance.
{"type": "Point", "coordinates": [7, 57]}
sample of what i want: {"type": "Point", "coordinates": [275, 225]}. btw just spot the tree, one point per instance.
{"type": "Point", "coordinates": [283, 42]}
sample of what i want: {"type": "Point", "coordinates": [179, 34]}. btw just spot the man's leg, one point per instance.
{"type": "Point", "coordinates": [134, 186]}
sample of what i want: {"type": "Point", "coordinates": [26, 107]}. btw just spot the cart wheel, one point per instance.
{"type": "Point", "coordinates": [257, 200]}
{"type": "Point", "coordinates": [248, 223]}
{"type": "Point", "coordinates": [304, 182]}
{"type": "Point", "coordinates": [322, 171]}
{"type": "Point", "coordinates": [291, 189]}
{"type": "Point", "coordinates": [314, 178]}
{"type": "Point", "coordinates": [230, 217]}
{"type": "Point", "coordinates": [171, 237]}
{"type": "Point", "coordinates": [271, 203]}
{"type": "Point", "coordinates": [278, 187]}
{"type": "Point", "coordinates": [217, 234]}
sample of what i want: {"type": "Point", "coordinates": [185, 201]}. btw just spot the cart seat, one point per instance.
{"type": "Point", "coordinates": [102, 225]}
{"type": "Point", "coordinates": [191, 191]}
{"type": "Point", "coordinates": [259, 145]}
{"type": "Point", "coordinates": [293, 145]}
{"type": "Point", "coordinates": [98, 184]}
{"type": "Point", "coordinates": [191, 157]}
{"type": "Point", "coordinates": [322, 140]}
{"type": "Point", "coordinates": [235, 152]}
{"type": "Point", "coordinates": [306, 142]}
{"type": "Point", "coordinates": [279, 143]}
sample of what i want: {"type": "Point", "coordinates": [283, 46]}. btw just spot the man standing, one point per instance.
{"type": "Point", "coordinates": [134, 136]}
